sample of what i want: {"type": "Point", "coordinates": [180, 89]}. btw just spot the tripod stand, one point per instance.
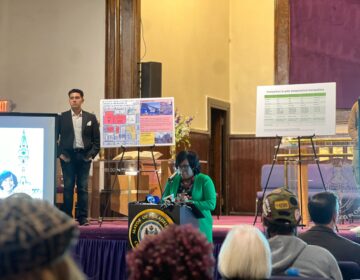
{"type": "Point", "coordinates": [119, 171]}
{"type": "Point", "coordinates": [259, 201]}
{"type": "Point", "coordinates": [303, 192]}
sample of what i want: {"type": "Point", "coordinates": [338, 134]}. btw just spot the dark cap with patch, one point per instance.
{"type": "Point", "coordinates": [281, 206]}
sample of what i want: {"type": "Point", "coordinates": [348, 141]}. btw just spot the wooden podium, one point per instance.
{"type": "Point", "coordinates": [150, 219]}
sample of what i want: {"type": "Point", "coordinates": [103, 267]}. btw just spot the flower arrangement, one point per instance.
{"type": "Point", "coordinates": [182, 130]}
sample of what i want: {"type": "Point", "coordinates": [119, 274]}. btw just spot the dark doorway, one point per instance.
{"type": "Point", "coordinates": [218, 153]}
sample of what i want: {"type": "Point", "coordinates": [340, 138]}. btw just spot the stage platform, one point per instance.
{"type": "Point", "coordinates": [101, 250]}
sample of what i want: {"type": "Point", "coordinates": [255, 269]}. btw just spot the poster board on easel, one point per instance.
{"type": "Point", "coordinates": [296, 110]}
{"type": "Point", "coordinates": [299, 110]}
{"type": "Point", "coordinates": [137, 122]}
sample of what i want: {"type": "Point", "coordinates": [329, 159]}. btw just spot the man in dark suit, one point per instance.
{"type": "Point", "coordinates": [78, 144]}
{"type": "Point", "coordinates": [324, 211]}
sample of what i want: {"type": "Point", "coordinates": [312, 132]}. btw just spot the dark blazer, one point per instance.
{"type": "Point", "coordinates": [90, 134]}
{"type": "Point", "coordinates": [342, 248]}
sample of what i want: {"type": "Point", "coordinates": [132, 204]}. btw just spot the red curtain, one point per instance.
{"type": "Point", "coordinates": [325, 45]}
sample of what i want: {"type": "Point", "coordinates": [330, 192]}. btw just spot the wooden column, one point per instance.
{"type": "Point", "coordinates": [282, 41]}
{"type": "Point", "coordinates": [122, 55]}
{"type": "Point", "coordinates": [122, 58]}
{"type": "Point", "coordinates": [303, 191]}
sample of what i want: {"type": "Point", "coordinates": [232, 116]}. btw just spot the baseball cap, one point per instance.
{"type": "Point", "coordinates": [282, 206]}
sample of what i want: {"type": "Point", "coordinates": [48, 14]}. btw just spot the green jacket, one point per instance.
{"type": "Point", "coordinates": [203, 197]}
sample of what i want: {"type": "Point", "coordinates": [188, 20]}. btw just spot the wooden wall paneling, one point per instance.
{"type": "Point", "coordinates": [200, 142]}
{"type": "Point", "coordinates": [247, 155]}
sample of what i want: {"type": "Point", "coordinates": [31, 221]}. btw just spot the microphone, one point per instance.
{"type": "Point", "coordinates": [153, 199]}
{"type": "Point", "coordinates": [173, 175]}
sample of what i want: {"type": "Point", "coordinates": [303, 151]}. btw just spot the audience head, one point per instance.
{"type": "Point", "coordinates": [8, 181]}
{"type": "Point", "coordinates": [324, 208]}
{"type": "Point", "coordinates": [178, 252]}
{"type": "Point", "coordinates": [281, 213]}
{"type": "Point", "coordinates": [245, 254]}
{"type": "Point", "coordinates": [34, 241]}
{"type": "Point", "coordinates": [188, 164]}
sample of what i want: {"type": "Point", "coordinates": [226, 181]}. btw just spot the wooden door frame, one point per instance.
{"type": "Point", "coordinates": [213, 103]}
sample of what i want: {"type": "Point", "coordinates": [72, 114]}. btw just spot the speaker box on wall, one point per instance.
{"type": "Point", "coordinates": [150, 79]}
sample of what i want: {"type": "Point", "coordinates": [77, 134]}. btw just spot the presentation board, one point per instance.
{"type": "Point", "coordinates": [137, 122]}
{"type": "Point", "coordinates": [28, 155]}
{"type": "Point", "coordinates": [296, 110]}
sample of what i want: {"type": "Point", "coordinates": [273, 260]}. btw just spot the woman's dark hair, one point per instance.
{"type": "Point", "coordinates": [192, 159]}
{"type": "Point", "coordinates": [6, 174]}
{"type": "Point", "coordinates": [178, 252]}
{"type": "Point", "coordinates": [322, 207]}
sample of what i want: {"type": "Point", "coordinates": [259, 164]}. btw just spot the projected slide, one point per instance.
{"type": "Point", "coordinates": [137, 122]}
{"type": "Point", "coordinates": [28, 155]}
{"type": "Point", "coordinates": [21, 161]}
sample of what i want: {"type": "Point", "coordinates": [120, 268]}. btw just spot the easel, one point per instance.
{"type": "Point", "coordinates": [138, 171]}
{"type": "Point", "coordinates": [303, 200]}
{"type": "Point", "coordinates": [267, 180]}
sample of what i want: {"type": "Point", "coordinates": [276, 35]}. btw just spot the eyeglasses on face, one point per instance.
{"type": "Point", "coordinates": [184, 167]}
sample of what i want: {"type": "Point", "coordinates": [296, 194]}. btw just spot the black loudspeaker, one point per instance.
{"type": "Point", "coordinates": [150, 79]}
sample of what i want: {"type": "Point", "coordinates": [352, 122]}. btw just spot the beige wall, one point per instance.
{"type": "Point", "coordinates": [221, 49]}
{"type": "Point", "coordinates": [191, 40]}
{"type": "Point", "coordinates": [251, 58]}
{"type": "Point", "coordinates": [48, 47]}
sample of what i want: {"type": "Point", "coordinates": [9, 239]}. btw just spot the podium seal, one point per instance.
{"type": "Point", "coordinates": [147, 222]}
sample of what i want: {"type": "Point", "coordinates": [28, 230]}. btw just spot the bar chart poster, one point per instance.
{"type": "Point", "coordinates": [296, 110]}
{"type": "Point", "coordinates": [137, 122]}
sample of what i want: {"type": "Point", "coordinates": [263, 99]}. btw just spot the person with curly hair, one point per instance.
{"type": "Point", "coordinates": [176, 253]}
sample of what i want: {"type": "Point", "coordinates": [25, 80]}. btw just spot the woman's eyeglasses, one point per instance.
{"type": "Point", "coordinates": [184, 167]}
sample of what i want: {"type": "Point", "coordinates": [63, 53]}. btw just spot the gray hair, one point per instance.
{"type": "Point", "coordinates": [245, 254]}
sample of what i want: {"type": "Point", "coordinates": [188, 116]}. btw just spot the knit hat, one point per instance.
{"type": "Point", "coordinates": [281, 206]}
{"type": "Point", "coordinates": [34, 233]}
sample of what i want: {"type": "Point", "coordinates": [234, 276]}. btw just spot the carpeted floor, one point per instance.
{"type": "Point", "coordinates": [118, 229]}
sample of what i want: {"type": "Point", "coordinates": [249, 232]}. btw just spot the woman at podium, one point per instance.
{"type": "Point", "coordinates": [189, 185]}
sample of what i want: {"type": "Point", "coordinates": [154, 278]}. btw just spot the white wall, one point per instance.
{"type": "Point", "coordinates": [48, 47]}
